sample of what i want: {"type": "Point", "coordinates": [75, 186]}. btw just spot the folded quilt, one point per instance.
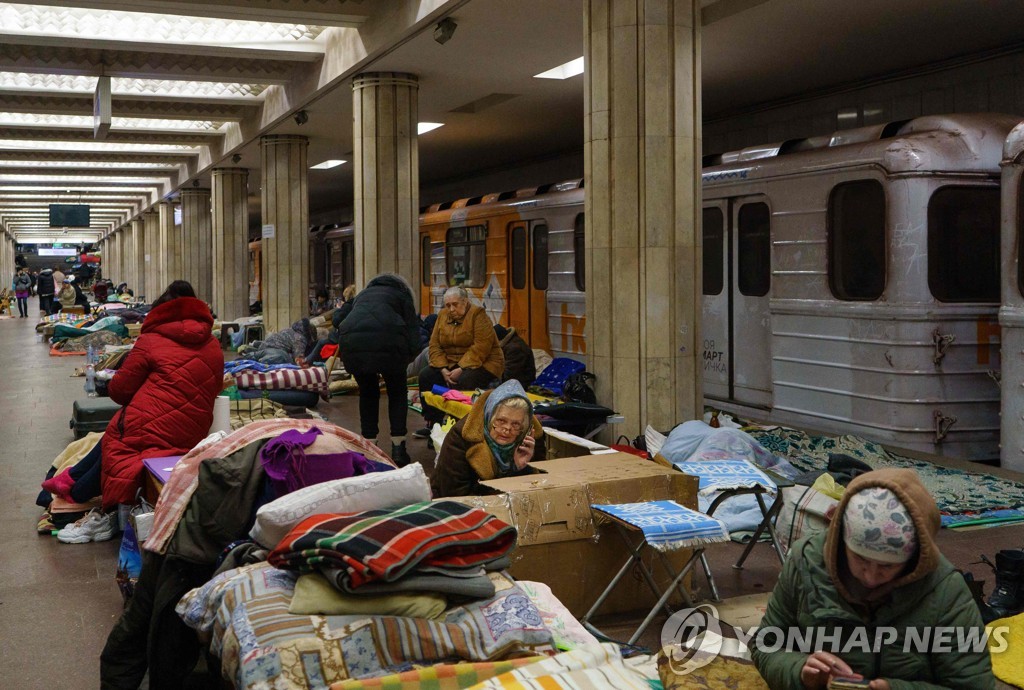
{"type": "Point", "coordinates": [476, 587]}
{"type": "Point", "coordinates": [594, 667]}
{"type": "Point", "coordinates": [261, 645]}
{"type": "Point", "coordinates": [312, 379]}
{"type": "Point", "coordinates": [385, 545]}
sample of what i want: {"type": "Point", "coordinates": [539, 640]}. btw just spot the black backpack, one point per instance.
{"type": "Point", "coordinates": [577, 388]}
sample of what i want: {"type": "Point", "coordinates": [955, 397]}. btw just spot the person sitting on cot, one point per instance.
{"type": "Point", "coordinates": [868, 590]}
{"type": "Point", "coordinates": [498, 438]}
{"type": "Point", "coordinates": [291, 346]}
{"type": "Point", "coordinates": [166, 387]}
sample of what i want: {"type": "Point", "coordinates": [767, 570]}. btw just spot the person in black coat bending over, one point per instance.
{"type": "Point", "coordinates": [380, 336]}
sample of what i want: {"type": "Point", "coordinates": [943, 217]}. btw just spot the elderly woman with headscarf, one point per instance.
{"type": "Point", "coordinates": [498, 438]}
{"type": "Point", "coordinates": [464, 352]}
{"type": "Point", "coordinates": [291, 346]}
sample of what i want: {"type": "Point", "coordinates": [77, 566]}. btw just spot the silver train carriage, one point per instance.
{"type": "Point", "coordinates": [851, 282]}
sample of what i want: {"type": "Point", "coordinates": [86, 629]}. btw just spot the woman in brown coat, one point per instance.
{"type": "Point", "coordinates": [464, 352]}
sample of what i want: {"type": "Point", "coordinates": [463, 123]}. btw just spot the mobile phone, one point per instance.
{"type": "Point", "coordinates": [848, 683]}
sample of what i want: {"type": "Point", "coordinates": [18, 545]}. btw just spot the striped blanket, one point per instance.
{"type": "Point", "coordinates": [313, 379]}
{"type": "Point", "coordinates": [384, 545]}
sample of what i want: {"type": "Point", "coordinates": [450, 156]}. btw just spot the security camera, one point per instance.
{"type": "Point", "coordinates": [301, 117]}
{"type": "Point", "coordinates": [195, 183]}
{"type": "Point", "coordinates": [444, 30]}
{"type": "Point", "coordinates": [236, 158]}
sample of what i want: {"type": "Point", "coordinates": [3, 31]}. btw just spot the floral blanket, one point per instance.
{"type": "Point", "coordinates": [963, 497]}
{"type": "Point", "coordinates": [245, 613]}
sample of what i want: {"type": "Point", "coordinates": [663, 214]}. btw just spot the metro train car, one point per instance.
{"type": "Point", "coordinates": [1011, 313]}
{"type": "Point", "coordinates": [851, 282]}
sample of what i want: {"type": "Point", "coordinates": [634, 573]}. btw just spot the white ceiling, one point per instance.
{"type": "Point", "coordinates": [755, 52]}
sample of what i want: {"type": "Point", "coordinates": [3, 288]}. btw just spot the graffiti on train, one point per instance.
{"type": "Point", "coordinates": [714, 359]}
{"type": "Point", "coordinates": [573, 340]}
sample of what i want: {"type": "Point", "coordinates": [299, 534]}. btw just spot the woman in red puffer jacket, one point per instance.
{"type": "Point", "coordinates": [166, 386]}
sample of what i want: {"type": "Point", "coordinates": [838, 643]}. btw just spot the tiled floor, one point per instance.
{"type": "Point", "coordinates": [59, 601]}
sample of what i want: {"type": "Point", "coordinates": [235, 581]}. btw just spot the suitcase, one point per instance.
{"type": "Point", "coordinates": [92, 414]}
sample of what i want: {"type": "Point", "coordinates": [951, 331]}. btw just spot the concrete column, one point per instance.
{"type": "Point", "coordinates": [122, 252]}
{"type": "Point", "coordinates": [169, 251]}
{"type": "Point", "coordinates": [643, 240]}
{"type": "Point", "coordinates": [285, 263]}
{"type": "Point", "coordinates": [154, 284]}
{"type": "Point", "coordinates": [137, 261]}
{"type": "Point", "coordinates": [197, 241]}
{"type": "Point", "coordinates": [386, 174]}
{"type": "Point", "coordinates": [230, 242]}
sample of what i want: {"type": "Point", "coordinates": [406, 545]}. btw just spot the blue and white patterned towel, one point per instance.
{"type": "Point", "coordinates": [668, 526]}
{"type": "Point", "coordinates": [722, 475]}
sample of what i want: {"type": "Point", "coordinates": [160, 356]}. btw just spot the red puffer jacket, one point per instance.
{"type": "Point", "coordinates": [166, 385]}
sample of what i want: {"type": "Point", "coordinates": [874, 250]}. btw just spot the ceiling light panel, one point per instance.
{"type": "Point", "coordinates": [86, 121]}
{"type": "Point", "coordinates": [569, 69]}
{"type": "Point", "coordinates": [145, 27]}
{"type": "Point", "coordinates": [124, 86]}
{"type": "Point", "coordinates": [76, 165]}
{"type": "Point", "coordinates": [327, 165]}
{"type": "Point", "coordinates": [424, 127]}
{"type": "Point", "coordinates": [98, 179]}
{"type": "Point", "coordinates": [101, 146]}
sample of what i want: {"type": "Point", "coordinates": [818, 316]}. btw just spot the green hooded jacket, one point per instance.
{"type": "Point", "coordinates": [811, 593]}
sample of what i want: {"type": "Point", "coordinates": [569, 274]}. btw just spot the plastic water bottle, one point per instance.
{"type": "Point", "coordinates": [90, 355]}
{"type": "Point", "coordinates": [90, 380]}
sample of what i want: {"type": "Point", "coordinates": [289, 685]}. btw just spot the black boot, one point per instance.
{"type": "Point", "coordinates": [1007, 599]}
{"type": "Point", "coordinates": [399, 454]}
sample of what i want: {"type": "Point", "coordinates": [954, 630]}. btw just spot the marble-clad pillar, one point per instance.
{"type": "Point", "coordinates": [197, 241]}
{"type": "Point", "coordinates": [230, 200]}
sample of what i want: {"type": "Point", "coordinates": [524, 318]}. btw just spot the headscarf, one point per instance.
{"type": "Point", "coordinates": [503, 454]}
{"type": "Point", "coordinates": [877, 526]}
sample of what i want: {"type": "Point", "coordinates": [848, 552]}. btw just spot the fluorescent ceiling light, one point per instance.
{"type": "Point", "coordinates": [327, 165]}
{"type": "Point", "coordinates": [424, 127]}
{"type": "Point", "coordinates": [127, 86]}
{"type": "Point", "coordinates": [569, 69]}
{"type": "Point", "coordinates": [75, 165]}
{"type": "Point", "coordinates": [86, 121]}
{"type": "Point", "coordinates": [93, 146]}
{"type": "Point", "coordinates": [149, 27]}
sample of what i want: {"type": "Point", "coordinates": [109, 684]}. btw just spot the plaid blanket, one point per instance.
{"type": "Point", "coordinates": [386, 544]}
{"type": "Point", "coordinates": [312, 379]}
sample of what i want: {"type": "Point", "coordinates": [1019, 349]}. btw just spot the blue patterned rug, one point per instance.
{"type": "Point", "coordinates": [964, 498]}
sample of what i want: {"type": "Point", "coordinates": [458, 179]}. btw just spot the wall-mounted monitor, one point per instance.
{"type": "Point", "coordinates": [69, 215]}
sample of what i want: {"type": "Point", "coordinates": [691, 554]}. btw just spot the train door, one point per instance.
{"type": "Point", "coordinates": [736, 331]}
{"type": "Point", "coordinates": [528, 278]}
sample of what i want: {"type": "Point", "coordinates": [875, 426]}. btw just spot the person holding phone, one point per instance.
{"type": "Point", "coordinates": [499, 437]}
{"type": "Point", "coordinates": [875, 573]}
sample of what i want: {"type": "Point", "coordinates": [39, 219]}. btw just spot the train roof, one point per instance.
{"type": "Point", "coordinates": [1013, 148]}
{"type": "Point", "coordinates": [933, 143]}
{"type": "Point", "coordinates": [499, 197]}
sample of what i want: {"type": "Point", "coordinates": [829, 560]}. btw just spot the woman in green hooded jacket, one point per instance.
{"type": "Point", "coordinates": [868, 590]}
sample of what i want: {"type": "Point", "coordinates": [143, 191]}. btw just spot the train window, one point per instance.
{"type": "Point", "coordinates": [755, 250]}
{"type": "Point", "coordinates": [963, 244]}
{"type": "Point", "coordinates": [578, 245]}
{"type": "Point", "coordinates": [466, 255]}
{"type": "Point", "coordinates": [518, 257]}
{"type": "Point", "coordinates": [714, 250]}
{"type": "Point", "coordinates": [856, 240]}
{"type": "Point", "coordinates": [540, 257]}
{"type": "Point", "coordinates": [425, 261]}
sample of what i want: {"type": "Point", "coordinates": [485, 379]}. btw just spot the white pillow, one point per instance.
{"type": "Point", "coordinates": [373, 491]}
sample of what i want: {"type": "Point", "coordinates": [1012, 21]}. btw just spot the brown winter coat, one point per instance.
{"type": "Point", "coordinates": [468, 344]}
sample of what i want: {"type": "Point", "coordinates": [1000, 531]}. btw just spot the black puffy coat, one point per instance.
{"type": "Point", "coordinates": [44, 283]}
{"type": "Point", "coordinates": [382, 330]}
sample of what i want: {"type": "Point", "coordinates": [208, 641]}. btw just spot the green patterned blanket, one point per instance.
{"type": "Point", "coordinates": [963, 497]}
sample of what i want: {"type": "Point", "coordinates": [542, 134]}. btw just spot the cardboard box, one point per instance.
{"type": "Point", "coordinates": [560, 543]}
{"type": "Point", "coordinates": [134, 329]}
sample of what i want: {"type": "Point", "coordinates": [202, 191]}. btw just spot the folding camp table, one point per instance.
{"type": "Point", "coordinates": [659, 530]}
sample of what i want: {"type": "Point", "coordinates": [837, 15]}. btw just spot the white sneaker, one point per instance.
{"type": "Point", "coordinates": [94, 526]}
